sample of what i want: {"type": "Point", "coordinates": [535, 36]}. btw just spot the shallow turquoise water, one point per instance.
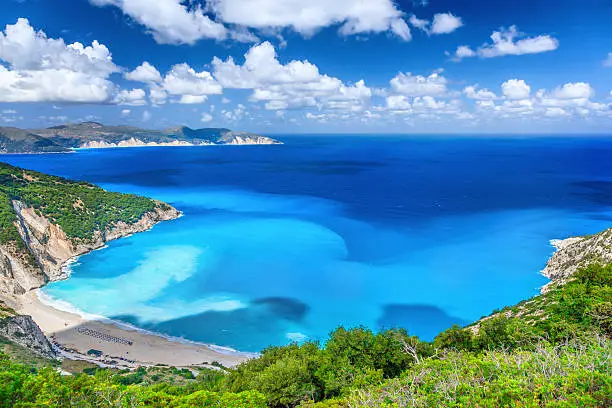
{"type": "Point", "coordinates": [285, 243]}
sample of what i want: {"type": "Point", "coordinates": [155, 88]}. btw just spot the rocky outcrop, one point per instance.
{"type": "Point", "coordinates": [50, 248]}
{"type": "Point", "coordinates": [575, 253]}
{"type": "Point", "coordinates": [23, 331]}
{"type": "Point", "coordinates": [241, 138]}
{"type": "Point", "coordinates": [228, 138]}
{"type": "Point", "coordinates": [19, 272]}
{"type": "Point", "coordinates": [131, 142]}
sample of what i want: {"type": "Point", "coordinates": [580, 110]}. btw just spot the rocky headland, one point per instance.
{"type": "Point", "coordinates": [94, 135]}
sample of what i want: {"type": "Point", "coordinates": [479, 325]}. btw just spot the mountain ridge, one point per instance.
{"type": "Point", "coordinates": [67, 137]}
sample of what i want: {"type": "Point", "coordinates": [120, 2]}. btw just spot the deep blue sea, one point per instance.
{"type": "Point", "coordinates": [285, 243]}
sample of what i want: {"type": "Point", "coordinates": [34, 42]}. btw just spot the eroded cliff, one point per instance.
{"type": "Point", "coordinates": [575, 253]}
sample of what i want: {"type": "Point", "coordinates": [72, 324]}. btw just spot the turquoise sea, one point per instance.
{"type": "Point", "coordinates": [285, 243]}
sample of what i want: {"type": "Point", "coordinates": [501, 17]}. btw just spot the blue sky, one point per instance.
{"type": "Point", "coordinates": [289, 66]}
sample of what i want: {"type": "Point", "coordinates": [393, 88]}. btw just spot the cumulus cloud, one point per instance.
{"type": "Point", "coordinates": [307, 17]}
{"type": "Point", "coordinates": [45, 69]}
{"type": "Point", "coordinates": [418, 85]}
{"type": "Point", "coordinates": [479, 94]}
{"type": "Point", "coordinates": [134, 97]}
{"type": "Point", "coordinates": [206, 117]}
{"type": "Point", "coordinates": [145, 72]}
{"type": "Point", "coordinates": [236, 114]}
{"type": "Point", "coordinates": [445, 23]}
{"type": "Point", "coordinates": [575, 90]}
{"type": "Point", "coordinates": [556, 112]}
{"type": "Point", "coordinates": [566, 101]}
{"type": "Point", "coordinates": [187, 85]}
{"type": "Point", "coordinates": [509, 42]}
{"type": "Point", "coordinates": [261, 66]}
{"type": "Point", "coordinates": [296, 84]}
{"type": "Point", "coordinates": [516, 89]}
{"type": "Point", "coordinates": [190, 85]}
{"type": "Point", "coordinates": [170, 21]}
{"type": "Point", "coordinates": [175, 22]}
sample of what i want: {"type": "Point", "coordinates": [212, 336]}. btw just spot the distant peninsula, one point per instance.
{"type": "Point", "coordinates": [94, 135]}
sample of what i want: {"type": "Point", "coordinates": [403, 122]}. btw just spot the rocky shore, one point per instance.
{"type": "Point", "coordinates": [575, 253]}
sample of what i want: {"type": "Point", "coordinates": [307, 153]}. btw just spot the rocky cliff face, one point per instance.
{"type": "Point", "coordinates": [23, 331]}
{"type": "Point", "coordinates": [18, 272]}
{"type": "Point", "coordinates": [131, 142]}
{"type": "Point", "coordinates": [575, 253]}
{"type": "Point", "coordinates": [51, 248]}
{"type": "Point", "coordinates": [240, 138]}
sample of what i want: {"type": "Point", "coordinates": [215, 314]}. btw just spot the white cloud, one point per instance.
{"type": "Point", "coordinates": [134, 97]}
{"type": "Point", "coordinates": [261, 66]}
{"type": "Point", "coordinates": [571, 100]}
{"type": "Point", "coordinates": [29, 50]}
{"type": "Point", "coordinates": [57, 85]}
{"type": "Point", "coordinates": [188, 84]}
{"type": "Point", "coordinates": [417, 85]}
{"type": "Point", "coordinates": [235, 115]}
{"type": "Point", "coordinates": [463, 51]}
{"type": "Point", "coordinates": [9, 111]}
{"type": "Point", "coordinates": [480, 94]}
{"type": "Point", "coordinates": [575, 90]}
{"type": "Point", "coordinates": [146, 116]}
{"type": "Point", "coordinates": [556, 112]}
{"type": "Point", "coordinates": [418, 23]}
{"type": "Point", "coordinates": [445, 23]}
{"type": "Point", "coordinates": [516, 89]}
{"type": "Point", "coordinates": [206, 117]}
{"type": "Point", "coordinates": [44, 69]}
{"type": "Point", "coordinates": [509, 42]}
{"type": "Point", "coordinates": [307, 17]}
{"type": "Point", "coordinates": [192, 99]}
{"type": "Point", "coordinates": [608, 61]}
{"type": "Point", "coordinates": [126, 113]}
{"type": "Point", "coordinates": [296, 84]}
{"type": "Point", "coordinates": [170, 21]}
{"type": "Point", "coordinates": [144, 73]}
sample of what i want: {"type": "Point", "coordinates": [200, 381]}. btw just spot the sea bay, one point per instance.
{"type": "Point", "coordinates": [284, 243]}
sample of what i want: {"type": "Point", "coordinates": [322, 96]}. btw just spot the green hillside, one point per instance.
{"type": "Point", "coordinates": [78, 208]}
{"type": "Point", "coordinates": [551, 351]}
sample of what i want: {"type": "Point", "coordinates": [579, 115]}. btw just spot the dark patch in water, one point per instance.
{"type": "Point", "coordinates": [284, 308]}
{"type": "Point", "coordinates": [598, 191]}
{"type": "Point", "coordinates": [250, 329]}
{"type": "Point", "coordinates": [425, 321]}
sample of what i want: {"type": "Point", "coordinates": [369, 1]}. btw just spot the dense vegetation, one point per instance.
{"type": "Point", "coordinates": [553, 350]}
{"type": "Point", "coordinates": [78, 208]}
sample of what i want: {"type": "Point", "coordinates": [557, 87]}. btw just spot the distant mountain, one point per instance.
{"type": "Point", "coordinates": [13, 140]}
{"type": "Point", "coordinates": [63, 138]}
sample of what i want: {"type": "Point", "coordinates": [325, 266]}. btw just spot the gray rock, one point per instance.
{"type": "Point", "coordinates": [23, 331]}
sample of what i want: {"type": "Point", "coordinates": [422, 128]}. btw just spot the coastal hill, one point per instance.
{"type": "Point", "coordinates": [552, 350]}
{"type": "Point", "coordinates": [47, 220]}
{"type": "Point", "coordinates": [63, 138]}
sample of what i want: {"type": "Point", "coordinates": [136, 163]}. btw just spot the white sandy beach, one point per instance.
{"type": "Point", "coordinates": [120, 347]}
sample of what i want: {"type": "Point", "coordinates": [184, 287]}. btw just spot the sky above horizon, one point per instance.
{"type": "Point", "coordinates": [294, 66]}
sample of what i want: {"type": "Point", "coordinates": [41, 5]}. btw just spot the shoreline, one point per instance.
{"type": "Point", "coordinates": [78, 335]}
{"type": "Point", "coordinates": [121, 345]}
